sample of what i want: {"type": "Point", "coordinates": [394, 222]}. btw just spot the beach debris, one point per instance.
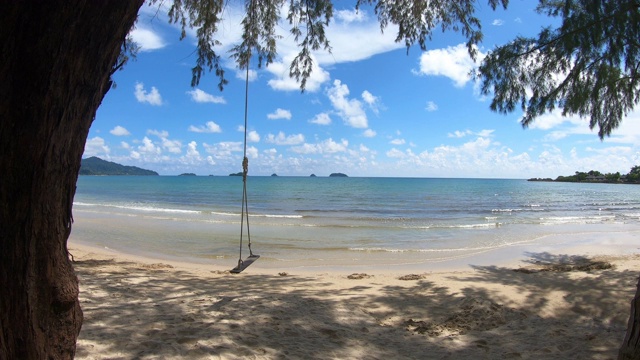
{"type": "Point", "coordinates": [283, 273]}
{"type": "Point", "coordinates": [358, 276]}
{"type": "Point", "coordinates": [585, 266]}
{"type": "Point", "coordinates": [475, 314]}
{"type": "Point", "coordinates": [412, 277]}
{"type": "Point", "coordinates": [157, 266]}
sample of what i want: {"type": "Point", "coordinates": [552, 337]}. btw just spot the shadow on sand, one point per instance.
{"type": "Point", "coordinates": [135, 311]}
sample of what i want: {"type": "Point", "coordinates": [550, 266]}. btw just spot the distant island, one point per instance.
{"type": "Point", "coordinates": [312, 175]}
{"type": "Point", "coordinates": [338, 175]}
{"type": "Point", "coordinates": [187, 174]}
{"type": "Point", "coordinates": [274, 174]}
{"type": "Point", "coordinates": [593, 176]}
{"type": "Point", "coordinates": [236, 174]}
{"type": "Point", "coordinates": [97, 166]}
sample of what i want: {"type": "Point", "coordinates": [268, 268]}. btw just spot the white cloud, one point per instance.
{"type": "Point", "coordinates": [160, 134]}
{"type": "Point", "coordinates": [350, 110]}
{"type": "Point", "coordinates": [397, 141]}
{"type": "Point", "coordinates": [453, 62]}
{"type": "Point", "coordinates": [147, 39]}
{"type": "Point", "coordinates": [371, 100]}
{"type": "Point", "coordinates": [119, 131]}
{"type": "Point", "coordinates": [148, 147]}
{"type": "Point", "coordinates": [369, 133]}
{"type": "Point", "coordinates": [209, 127]}
{"type": "Point", "coordinates": [283, 82]}
{"type": "Point", "coordinates": [172, 146]}
{"type": "Point", "coordinates": [459, 134]}
{"type": "Point", "coordinates": [321, 119]}
{"type": "Point", "coordinates": [282, 139]}
{"type": "Point", "coordinates": [431, 106]}
{"type": "Point", "coordinates": [350, 16]}
{"type": "Point", "coordinates": [497, 22]}
{"type": "Point", "coordinates": [327, 146]}
{"type": "Point", "coordinates": [280, 114]}
{"type": "Point", "coordinates": [153, 97]}
{"type": "Point", "coordinates": [253, 136]}
{"type": "Point", "coordinates": [223, 150]}
{"type": "Point", "coordinates": [96, 147]}
{"type": "Point", "coordinates": [242, 75]}
{"type": "Point", "coordinates": [485, 133]}
{"type": "Point", "coordinates": [200, 96]}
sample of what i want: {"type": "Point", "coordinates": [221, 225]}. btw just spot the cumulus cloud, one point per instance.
{"type": "Point", "coordinates": [371, 100]}
{"type": "Point", "coordinates": [200, 96]}
{"type": "Point", "coordinates": [453, 62]}
{"type": "Point", "coordinates": [327, 146]}
{"type": "Point", "coordinates": [497, 22]}
{"type": "Point", "coordinates": [282, 139]}
{"type": "Point", "coordinates": [147, 39]}
{"type": "Point", "coordinates": [209, 127]}
{"type": "Point", "coordinates": [153, 97]}
{"type": "Point", "coordinates": [321, 119]}
{"type": "Point", "coordinates": [397, 141]}
{"type": "Point", "coordinates": [96, 146]}
{"type": "Point", "coordinates": [148, 147]}
{"type": "Point", "coordinates": [369, 133]}
{"type": "Point", "coordinates": [119, 131]}
{"type": "Point", "coordinates": [431, 106]}
{"type": "Point", "coordinates": [172, 146]}
{"type": "Point", "coordinates": [253, 136]}
{"type": "Point", "coordinates": [350, 110]}
{"type": "Point", "coordinates": [280, 114]}
{"type": "Point", "coordinates": [283, 82]}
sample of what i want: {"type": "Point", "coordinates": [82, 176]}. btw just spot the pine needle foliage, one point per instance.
{"type": "Point", "coordinates": [587, 66]}
{"type": "Point", "coordinates": [308, 21]}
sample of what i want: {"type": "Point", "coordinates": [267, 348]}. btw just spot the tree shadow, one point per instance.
{"type": "Point", "coordinates": [136, 312]}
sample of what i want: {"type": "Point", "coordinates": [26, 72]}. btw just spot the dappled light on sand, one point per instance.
{"type": "Point", "coordinates": [153, 310]}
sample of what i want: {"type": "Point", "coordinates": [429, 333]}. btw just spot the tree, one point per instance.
{"type": "Point", "coordinates": [588, 66]}
{"type": "Point", "coordinates": [58, 57]}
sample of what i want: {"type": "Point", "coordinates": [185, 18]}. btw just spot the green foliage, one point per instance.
{"type": "Point", "coordinates": [416, 19]}
{"type": "Point", "coordinates": [588, 66]}
{"type": "Point", "coordinates": [308, 19]}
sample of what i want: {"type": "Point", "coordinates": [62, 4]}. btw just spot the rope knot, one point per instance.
{"type": "Point", "coordinates": [245, 166]}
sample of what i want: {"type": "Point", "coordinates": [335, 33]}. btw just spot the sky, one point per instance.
{"type": "Point", "coordinates": [372, 107]}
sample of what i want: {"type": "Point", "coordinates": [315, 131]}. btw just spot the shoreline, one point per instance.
{"type": "Point", "coordinates": [591, 243]}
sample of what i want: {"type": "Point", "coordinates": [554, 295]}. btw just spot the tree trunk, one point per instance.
{"type": "Point", "coordinates": [630, 349]}
{"type": "Point", "coordinates": [56, 57]}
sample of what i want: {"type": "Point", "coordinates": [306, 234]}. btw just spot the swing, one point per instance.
{"type": "Point", "coordinates": [243, 264]}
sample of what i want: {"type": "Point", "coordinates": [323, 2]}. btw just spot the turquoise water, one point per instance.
{"type": "Point", "coordinates": [316, 221]}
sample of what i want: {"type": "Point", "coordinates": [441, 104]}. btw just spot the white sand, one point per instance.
{"type": "Point", "coordinates": [139, 309]}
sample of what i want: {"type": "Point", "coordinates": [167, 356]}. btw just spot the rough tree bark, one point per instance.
{"type": "Point", "coordinates": [56, 57]}
{"type": "Point", "coordinates": [630, 349]}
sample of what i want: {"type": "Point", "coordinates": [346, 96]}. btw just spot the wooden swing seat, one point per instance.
{"type": "Point", "coordinates": [243, 264]}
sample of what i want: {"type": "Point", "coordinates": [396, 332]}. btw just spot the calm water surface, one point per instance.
{"type": "Point", "coordinates": [321, 220]}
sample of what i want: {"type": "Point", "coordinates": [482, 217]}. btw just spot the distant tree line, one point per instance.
{"type": "Point", "coordinates": [596, 176]}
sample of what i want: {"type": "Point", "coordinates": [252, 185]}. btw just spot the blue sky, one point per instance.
{"type": "Point", "coordinates": [370, 109]}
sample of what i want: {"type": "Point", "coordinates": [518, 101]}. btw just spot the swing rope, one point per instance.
{"type": "Point", "coordinates": [245, 171]}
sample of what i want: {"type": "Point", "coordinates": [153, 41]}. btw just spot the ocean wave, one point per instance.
{"type": "Point", "coordinates": [577, 219]}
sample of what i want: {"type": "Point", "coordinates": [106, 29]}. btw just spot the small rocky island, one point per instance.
{"type": "Point", "coordinates": [338, 175]}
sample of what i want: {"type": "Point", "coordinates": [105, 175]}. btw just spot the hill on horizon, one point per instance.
{"type": "Point", "coordinates": [96, 166]}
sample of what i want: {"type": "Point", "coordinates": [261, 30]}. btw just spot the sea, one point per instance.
{"type": "Point", "coordinates": [316, 222]}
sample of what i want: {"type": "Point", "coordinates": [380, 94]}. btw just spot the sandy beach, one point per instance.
{"type": "Point", "coordinates": [549, 306]}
